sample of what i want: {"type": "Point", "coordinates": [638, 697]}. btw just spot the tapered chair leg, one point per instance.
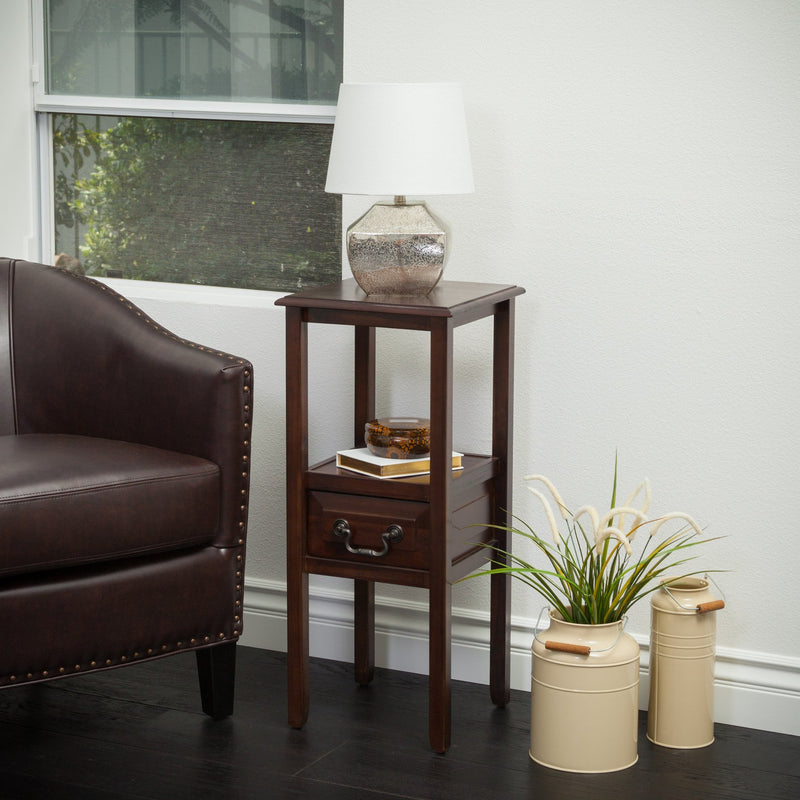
{"type": "Point", "coordinates": [216, 668]}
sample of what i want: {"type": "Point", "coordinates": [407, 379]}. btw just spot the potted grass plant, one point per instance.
{"type": "Point", "coordinates": [585, 668]}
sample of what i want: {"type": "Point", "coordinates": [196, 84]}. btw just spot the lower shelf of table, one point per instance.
{"type": "Point", "coordinates": [326, 476]}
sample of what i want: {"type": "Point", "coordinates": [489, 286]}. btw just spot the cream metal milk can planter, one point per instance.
{"type": "Point", "coordinates": [584, 696]}
{"type": "Point", "coordinates": [682, 650]}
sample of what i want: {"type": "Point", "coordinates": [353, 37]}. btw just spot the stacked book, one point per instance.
{"type": "Point", "coordinates": [362, 460]}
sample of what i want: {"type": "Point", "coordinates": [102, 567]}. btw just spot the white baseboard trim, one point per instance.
{"type": "Point", "coordinates": [751, 689]}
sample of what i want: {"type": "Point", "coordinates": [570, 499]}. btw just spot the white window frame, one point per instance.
{"type": "Point", "coordinates": [46, 104]}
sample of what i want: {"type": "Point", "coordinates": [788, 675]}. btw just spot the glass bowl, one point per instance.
{"type": "Point", "coordinates": [398, 437]}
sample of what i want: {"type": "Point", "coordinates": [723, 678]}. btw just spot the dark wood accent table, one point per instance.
{"type": "Point", "coordinates": [446, 516]}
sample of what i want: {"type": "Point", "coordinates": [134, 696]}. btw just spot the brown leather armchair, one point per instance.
{"type": "Point", "coordinates": [124, 479]}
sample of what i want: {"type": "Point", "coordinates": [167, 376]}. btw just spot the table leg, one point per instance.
{"type": "Point", "coordinates": [296, 466]}
{"type": "Point", "coordinates": [502, 440]}
{"type": "Point", "coordinates": [297, 648]}
{"type": "Point", "coordinates": [500, 640]}
{"type": "Point", "coordinates": [439, 668]}
{"type": "Point", "coordinates": [439, 589]}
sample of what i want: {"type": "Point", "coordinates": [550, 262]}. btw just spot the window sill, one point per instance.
{"type": "Point", "coordinates": [198, 295]}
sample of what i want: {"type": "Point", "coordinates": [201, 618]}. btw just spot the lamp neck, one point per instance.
{"type": "Point", "coordinates": [399, 199]}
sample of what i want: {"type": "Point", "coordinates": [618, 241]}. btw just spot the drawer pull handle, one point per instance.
{"type": "Point", "coordinates": [394, 533]}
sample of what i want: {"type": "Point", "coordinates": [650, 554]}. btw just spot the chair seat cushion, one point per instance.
{"type": "Point", "coordinates": [70, 500]}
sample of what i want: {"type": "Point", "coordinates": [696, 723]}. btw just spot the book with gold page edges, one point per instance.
{"type": "Point", "coordinates": [361, 460]}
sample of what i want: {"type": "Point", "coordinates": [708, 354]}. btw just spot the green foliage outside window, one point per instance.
{"type": "Point", "coordinates": [198, 201]}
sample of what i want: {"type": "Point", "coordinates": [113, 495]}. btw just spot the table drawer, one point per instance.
{"type": "Point", "coordinates": [370, 523]}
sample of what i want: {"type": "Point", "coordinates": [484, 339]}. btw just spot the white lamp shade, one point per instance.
{"type": "Point", "coordinates": [400, 139]}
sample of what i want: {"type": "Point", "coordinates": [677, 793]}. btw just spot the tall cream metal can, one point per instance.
{"type": "Point", "coordinates": [584, 697]}
{"type": "Point", "coordinates": [683, 629]}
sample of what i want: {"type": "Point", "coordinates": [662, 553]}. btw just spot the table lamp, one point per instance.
{"type": "Point", "coordinates": [399, 139]}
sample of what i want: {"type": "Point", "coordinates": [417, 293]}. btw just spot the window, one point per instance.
{"type": "Point", "coordinates": [188, 139]}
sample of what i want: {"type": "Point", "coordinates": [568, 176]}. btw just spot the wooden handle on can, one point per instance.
{"type": "Point", "coordinates": [565, 647]}
{"type": "Point", "coordinates": [712, 605]}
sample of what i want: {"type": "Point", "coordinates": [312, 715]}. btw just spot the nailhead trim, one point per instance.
{"type": "Point", "coordinates": [194, 642]}
{"type": "Point", "coordinates": [154, 325]}
{"type": "Point", "coordinates": [246, 389]}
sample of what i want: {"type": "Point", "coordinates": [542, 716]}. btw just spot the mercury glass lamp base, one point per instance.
{"type": "Point", "coordinates": [397, 249]}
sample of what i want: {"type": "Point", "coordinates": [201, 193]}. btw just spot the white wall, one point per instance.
{"type": "Point", "coordinates": [637, 171]}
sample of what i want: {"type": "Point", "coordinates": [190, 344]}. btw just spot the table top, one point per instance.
{"type": "Point", "coordinates": [447, 299]}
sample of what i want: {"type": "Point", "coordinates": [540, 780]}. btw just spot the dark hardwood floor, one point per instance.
{"type": "Point", "coordinates": [138, 732]}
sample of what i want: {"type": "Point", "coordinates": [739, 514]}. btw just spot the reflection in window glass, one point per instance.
{"type": "Point", "coordinates": [212, 202]}
{"type": "Point", "coordinates": [264, 50]}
